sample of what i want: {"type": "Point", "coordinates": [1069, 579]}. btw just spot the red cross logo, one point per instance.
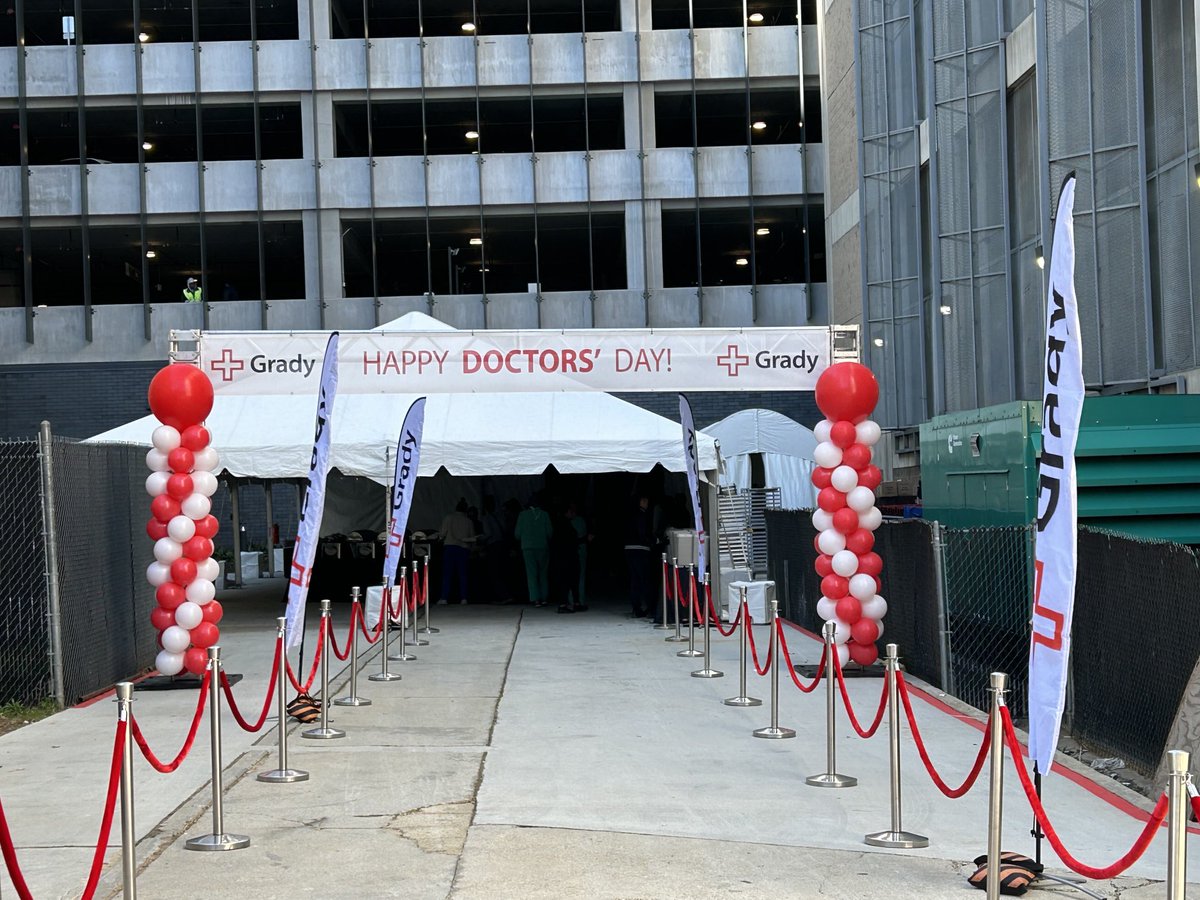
{"type": "Point", "coordinates": [733, 360]}
{"type": "Point", "coordinates": [227, 365]}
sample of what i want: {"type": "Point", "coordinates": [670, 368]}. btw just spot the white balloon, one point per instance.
{"type": "Point", "coordinates": [208, 569]}
{"type": "Point", "coordinates": [175, 639]}
{"type": "Point", "coordinates": [827, 454]}
{"type": "Point", "coordinates": [844, 478]}
{"type": "Point", "coordinates": [181, 529]}
{"type": "Point", "coordinates": [841, 631]}
{"type": "Point", "coordinates": [156, 460]}
{"type": "Point", "coordinates": [870, 519]}
{"type": "Point", "coordinates": [196, 506]}
{"type": "Point", "coordinates": [879, 625]}
{"type": "Point", "coordinates": [156, 483]}
{"type": "Point", "coordinates": [158, 574]}
{"type": "Point", "coordinates": [831, 541]}
{"type": "Point", "coordinates": [200, 591]}
{"type": "Point", "coordinates": [822, 520]}
{"type": "Point", "coordinates": [874, 607]}
{"type": "Point", "coordinates": [826, 608]}
{"type": "Point", "coordinates": [860, 499]}
{"type": "Point", "coordinates": [843, 653]}
{"type": "Point", "coordinates": [206, 459]}
{"type": "Point", "coordinates": [821, 430]}
{"type": "Point", "coordinates": [204, 482]}
{"type": "Point", "coordinates": [166, 551]}
{"type": "Point", "coordinates": [845, 563]}
{"type": "Point", "coordinates": [169, 663]}
{"type": "Point", "coordinates": [862, 586]}
{"type": "Point", "coordinates": [867, 432]}
{"type": "Point", "coordinates": [165, 438]}
{"type": "Point", "coordinates": [188, 616]}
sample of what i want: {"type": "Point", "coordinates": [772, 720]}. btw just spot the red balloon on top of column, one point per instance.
{"type": "Point", "coordinates": [846, 391]}
{"type": "Point", "coordinates": [180, 395]}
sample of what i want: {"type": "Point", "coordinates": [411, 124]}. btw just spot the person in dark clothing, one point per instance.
{"type": "Point", "coordinates": [493, 541]}
{"type": "Point", "coordinates": [564, 564]}
{"type": "Point", "coordinates": [639, 546]}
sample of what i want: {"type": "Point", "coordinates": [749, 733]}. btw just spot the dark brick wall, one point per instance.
{"type": "Point", "coordinates": [77, 399]}
{"type": "Point", "coordinates": [713, 406]}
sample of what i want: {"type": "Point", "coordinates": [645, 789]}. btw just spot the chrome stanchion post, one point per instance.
{"type": "Point", "coordinates": [830, 777]}
{"type": "Point", "coordinates": [415, 639]}
{"type": "Point", "coordinates": [425, 595]}
{"type": "Point", "coordinates": [403, 655]}
{"type": "Point", "coordinates": [1178, 804]}
{"type": "Point", "coordinates": [677, 637]}
{"type": "Point", "coordinates": [383, 674]}
{"type": "Point", "coordinates": [996, 787]}
{"type": "Point", "coordinates": [323, 732]}
{"type": "Point", "coordinates": [741, 699]}
{"type": "Point", "coordinates": [663, 626]}
{"type": "Point", "coordinates": [282, 775]}
{"type": "Point", "coordinates": [219, 839]}
{"type": "Point", "coordinates": [691, 650]}
{"type": "Point", "coordinates": [352, 699]}
{"type": "Point", "coordinates": [897, 837]}
{"type": "Point", "coordinates": [773, 730]}
{"type": "Point", "coordinates": [708, 671]}
{"type": "Point", "coordinates": [128, 834]}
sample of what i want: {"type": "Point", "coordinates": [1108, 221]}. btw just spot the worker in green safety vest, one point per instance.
{"type": "Point", "coordinates": [193, 292]}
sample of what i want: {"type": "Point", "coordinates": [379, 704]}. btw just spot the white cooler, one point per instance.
{"type": "Point", "coordinates": [759, 595]}
{"type": "Point", "coordinates": [374, 602]}
{"type": "Point", "coordinates": [250, 564]}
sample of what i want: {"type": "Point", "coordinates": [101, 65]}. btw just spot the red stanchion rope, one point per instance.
{"type": "Point", "coordinates": [766, 667]}
{"type": "Point", "coordinates": [716, 620]}
{"type": "Point", "coordinates": [110, 805]}
{"type": "Point", "coordinates": [977, 766]}
{"type": "Point", "coordinates": [362, 626]}
{"type": "Point", "coordinates": [262, 717]}
{"type": "Point", "coordinates": [1135, 852]}
{"type": "Point", "coordinates": [783, 647]}
{"type": "Point", "coordinates": [312, 676]}
{"type": "Point", "coordinates": [343, 655]}
{"type": "Point", "coordinates": [841, 680]}
{"type": "Point", "coordinates": [678, 588]}
{"type": "Point", "coordinates": [154, 761]}
{"type": "Point", "coordinates": [10, 859]}
{"type": "Point", "coordinates": [395, 610]}
{"type": "Point", "coordinates": [1196, 807]}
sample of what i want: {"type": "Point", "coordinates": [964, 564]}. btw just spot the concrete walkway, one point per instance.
{"type": "Point", "coordinates": [532, 755]}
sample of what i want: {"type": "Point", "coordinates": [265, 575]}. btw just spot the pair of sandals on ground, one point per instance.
{"type": "Point", "coordinates": [1017, 873]}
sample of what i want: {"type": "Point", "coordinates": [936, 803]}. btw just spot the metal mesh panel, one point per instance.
{"type": "Point", "coordinates": [791, 555]}
{"type": "Point", "coordinates": [910, 587]}
{"type": "Point", "coordinates": [24, 636]}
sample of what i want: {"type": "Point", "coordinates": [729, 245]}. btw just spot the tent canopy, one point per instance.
{"type": "Point", "coordinates": [270, 436]}
{"type": "Point", "coordinates": [786, 447]}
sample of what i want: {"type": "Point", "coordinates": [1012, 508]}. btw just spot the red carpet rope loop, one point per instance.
{"type": "Point", "coordinates": [811, 686]}
{"type": "Point", "coordinates": [343, 654]}
{"type": "Point", "coordinates": [154, 761]}
{"type": "Point", "coordinates": [362, 626]}
{"type": "Point", "coordinates": [766, 667]}
{"type": "Point", "coordinates": [233, 707]}
{"type": "Point", "coordinates": [716, 620]}
{"type": "Point", "coordinates": [1135, 852]}
{"type": "Point", "coordinates": [976, 768]}
{"type": "Point", "coordinates": [841, 680]}
{"type": "Point", "coordinates": [110, 805]}
{"type": "Point", "coordinates": [10, 859]}
{"type": "Point", "coordinates": [1196, 807]}
{"type": "Point", "coordinates": [312, 676]}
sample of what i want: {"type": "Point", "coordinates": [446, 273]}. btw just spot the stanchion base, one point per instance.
{"type": "Point", "coordinates": [384, 676]}
{"type": "Point", "coordinates": [708, 673]}
{"type": "Point", "coordinates": [403, 657]}
{"type": "Point", "coordinates": [742, 701]}
{"type": "Point", "coordinates": [283, 776]}
{"type": "Point", "coordinates": [775, 732]}
{"type": "Point", "coordinates": [899, 840]}
{"type": "Point", "coordinates": [417, 642]}
{"type": "Point", "coordinates": [690, 653]}
{"type": "Point", "coordinates": [352, 701]}
{"type": "Point", "coordinates": [675, 639]}
{"type": "Point", "coordinates": [323, 734]}
{"type": "Point", "coordinates": [662, 627]}
{"type": "Point", "coordinates": [218, 842]}
{"type": "Point", "coordinates": [428, 630]}
{"type": "Point", "coordinates": [831, 780]}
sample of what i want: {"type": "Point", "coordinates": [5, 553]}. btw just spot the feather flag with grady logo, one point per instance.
{"type": "Point", "coordinates": [408, 460]}
{"type": "Point", "coordinates": [693, 473]}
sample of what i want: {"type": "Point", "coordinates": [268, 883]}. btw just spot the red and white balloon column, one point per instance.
{"type": "Point", "coordinates": [846, 517]}
{"type": "Point", "coordinates": [181, 483]}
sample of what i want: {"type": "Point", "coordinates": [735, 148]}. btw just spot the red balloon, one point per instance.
{"type": "Point", "coordinates": [161, 619]}
{"type": "Point", "coordinates": [870, 563]}
{"type": "Point", "coordinates": [180, 395]}
{"type": "Point", "coordinates": [205, 635]}
{"type": "Point", "coordinates": [201, 548]}
{"type": "Point", "coordinates": [843, 434]}
{"type": "Point", "coordinates": [181, 460]}
{"type": "Point", "coordinates": [857, 456]}
{"type": "Point", "coordinates": [831, 499]}
{"type": "Point", "coordinates": [170, 596]}
{"type": "Point", "coordinates": [878, 584]}
{"type": "Point", "coordinates": [179, 486]}
{"type": "Point", "coordinates": [207, 527]}
{"type": "Point", "coordinates": [870, 477]}
{"type": "Point", "coordinates": [845, 520]}
{"type": "Point", "coordinates": [847, 390]}
{"type": "Point", "coordinates": [849, 610]}
{"type": "Point", "coordinates": [835, 586]}
{"type": "Point", "coordinates": [858, 542]}
{"type": "Point", "coordinates": [164, 508]}
{"type": "Point", "coordinates": [824, 565]}
{"type": "Point", "coordinates": [817, 542]}
{"type": "Point", "coordinates": [863, 654]}
{"type": "Point", "coordinates": [156, 529]}
{"type": "Point", "coordinates": [864, 631]}
{"type": "Point", "coordinates": [183, 571]}
{"type": "Point", "coordinates": [195, 437]}
{"type": "Point", "coordinates": [212, 612]}
{"type": "Point", "coordinates": [821, 477]}
{"type": "Point", "coordinates": [195, 660]}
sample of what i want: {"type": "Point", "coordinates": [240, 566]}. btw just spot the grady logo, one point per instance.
{"type": "Point", "coordinates": [733, 360]}
{"type": "Point", "coordinates": [229, 365]}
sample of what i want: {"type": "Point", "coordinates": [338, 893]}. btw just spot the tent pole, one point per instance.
{"type": "Point", "coordinates": [237, 532]}
{"type": "Point", "coordinates": [270, 529]}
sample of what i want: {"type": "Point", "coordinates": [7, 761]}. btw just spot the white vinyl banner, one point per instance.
{"type": "Point", "coordinates": [679, 359]}
{"type": "Point", "coordinates": [408, 459]}
{"type": "Point", "coordinates": [693, 473]}
{"type": "Point", "coordinates": [314, 498]}
{"type": "Point", "coordinates": [1055, 557]}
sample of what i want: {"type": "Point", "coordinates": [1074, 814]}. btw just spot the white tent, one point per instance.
{"type": "Point", "coordinates": [786, 447]}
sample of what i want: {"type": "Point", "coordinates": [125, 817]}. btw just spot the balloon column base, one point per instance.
{"type": "Point", "coordinates": [177, 682]}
